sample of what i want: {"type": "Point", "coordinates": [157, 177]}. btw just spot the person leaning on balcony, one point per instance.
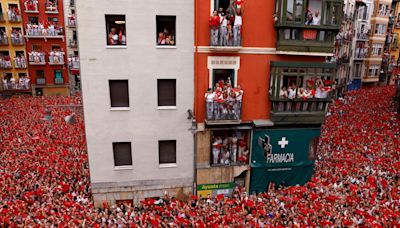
{"type": "Point", "coordinates": [239, 98]}
{"type": "Point", "coordinates": [310, 18]}
{"type": "Point", "coordinates": [237, 26]}
{"type": "Point", "coordinates": [283, 93]}
{"type": "Point", "coordinates": [214, 27]}
{"type": "Point", "coordinates": [216, 147]}
{"type": "Point", "coordinates": [292, 91]}
{"type": "Point", "coordinates": [317, 19]}
{"type": "Point", "coordinates": [209, 96]}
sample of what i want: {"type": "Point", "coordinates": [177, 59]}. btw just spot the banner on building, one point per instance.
{"type": "Point", "coordinates": [282, 156]}
{"type": "Point", "coordinates": [203, 190]}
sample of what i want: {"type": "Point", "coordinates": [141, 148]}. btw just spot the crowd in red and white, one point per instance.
{"type": "Point", "coordinates": [13, 13]}
{"type": "Point", "coordinates": [36, 56]}
{"type": "Point", "coordinates": [230, 149]}
{"type": "Point", "coordinates": [224, 102]}
{"type": "Point", "coordinates": [31, 5]}
{"type": "Point", "coordinates": [44, 29]}
{"type": "Point", "coordinates": [17, 37]}
{"type": "Point", "coordinates": [314, 89]}
{"type": "Point", "coordinates": [5, 61]}
{"type": "Point", "coordinates": [74, 61]}
{"type": "Point", "coordinates": [20, 61]}
{"type": "Point", "coordinates": [44, 177]}
{"type": "Point", "coordinates": [10, 83]}
{"type": "Point", "coordinates": [56, 56]}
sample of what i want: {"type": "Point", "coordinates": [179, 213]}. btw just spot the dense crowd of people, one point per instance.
{"type": "Point", "coordinates": [5, 61]}
{"type": "Point", "coordinates": [31, 5]}
{"type": "Point", "coordinates": [56, 56]}
{"type": "Point", "coordinates": [44, 29]}
{"type": "Point", "coordinates": [224, 102]}
{"type": "Point", "coordinates": [226, 25]}
{"type": "Point", "coordinates": [230, 149]}
{"type": "Point", "coordinates": [10, 83]}
{"type": "Point", "coordinates": [13, 13]}
{"type": "Point", "coordinates": [17, 37]}
{"type": "Point", "coordinates": [20, 61]}
{"type": "Point", "coordinates": [44, 177]}
{"type": "Point", "coordinates": [36, 57]}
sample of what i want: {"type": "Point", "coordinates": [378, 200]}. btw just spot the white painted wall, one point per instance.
{"type": "Point", "coordinates": [142, 64]}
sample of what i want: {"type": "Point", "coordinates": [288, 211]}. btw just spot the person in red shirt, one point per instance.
{"type": "Point", "coordinates": [214, 28]}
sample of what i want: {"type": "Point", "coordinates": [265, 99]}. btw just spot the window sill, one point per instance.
{"type": "Point", "coordinates": [116, 47]}
{"type": "Point", "coordinates": [166, 46]}
{"type": "Point", "coordinates": [120, 109]}
{"type": "Point", "coordinates": [169, 165]}
{"type": "Point", "coordinates": [166, 107]}
{"type": "Point", "coordinates": [124, 167]}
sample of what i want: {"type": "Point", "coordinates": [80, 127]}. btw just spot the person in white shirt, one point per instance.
{"type": "Point", "coordinates": [239, 98]}
{"type": "Point", "coordinates": [223, 30]}
{"type": "Point", "coordinates": [292, 91]}
{"type": "Point", "coordinates": [209, 96]}
{"type": "Point", "coordinates": [283, 93]}
{"type": "Point", "coordinates": [234, 146]}
{"type": "Point", "coordinates": [317, 19]}
{"type": "Point", "coordinates": [237, 26]}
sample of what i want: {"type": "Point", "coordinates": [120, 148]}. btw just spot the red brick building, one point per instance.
{"type": "Point", "coordinates": [46, 46]}
{"type": "Point", "coordinates": [271, 45]}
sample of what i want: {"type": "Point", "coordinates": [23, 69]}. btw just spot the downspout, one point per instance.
{"type": "Point", "coordinates": [194, 122]}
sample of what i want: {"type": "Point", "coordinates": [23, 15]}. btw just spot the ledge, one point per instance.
{"type": "Point", "coordinates": [116, 47]}
{"type": "Point", "coordinates": [166, 108]}
{"type": "Point", "coordinates": [37, 64]}
{"type": "Point", "coordinates": [169, 165]}
{"type": "Point", "coordinates": [120, 109]}
{"type": "Point", "coordinates": [166, 47]}
{"type": "Point", "coordinates": [124, 167]}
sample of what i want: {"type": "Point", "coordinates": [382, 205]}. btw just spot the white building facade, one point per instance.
{"type": "Point", "coordinates": [71, 35]}
{"type": "Point", "coordinates": [137, 84]}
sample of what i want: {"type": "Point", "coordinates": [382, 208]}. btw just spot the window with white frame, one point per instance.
{"type": "Point", "coordinates": [374, 70]}
{"type": "Point", "coordinates": [167, 151]}
{"type": "Point", "coordinates": [380, 29]}
{"type": "Point", "coordinates": [116, 30]}
{"type": "Point", "coordinates": [122, 154]}
{"type": "Point", "coordinates": [377, 49]}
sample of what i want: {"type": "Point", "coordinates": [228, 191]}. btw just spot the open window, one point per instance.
{"type": "Point", "coordinates": [166, 30]}
{"type": "Point", "coordinates": [229, 147]}
{"type": "Point", "coordinates": [115, 30]}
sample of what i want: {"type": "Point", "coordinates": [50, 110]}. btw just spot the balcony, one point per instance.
{"type": "Point", "coordinates": [21, 84]}
{"type": "Point", "coordinates": [71, 21]}
{"type": "Point", "coordinates": [31, 7]}
{"type": "Point", "coordinates": [223, 40]}
{"type": "Point", "coordinates": [56, 58]}
{"type": "Point", "coordinates": [40, 81]}
{"type": "Point", "coordinates": [14, 17]}
{"type": "Point", "coordinates": [17, 40]}
{"type": "Point", "coordinates": [301, 91]}
{"type": "Point", "coordinates": [74, 62]}
{"type": "Point", "coordinates": [223, 112]}
{"type": "Point", "coordinates": [299, 32]}
{"type": "Point", "coordinates": [36, 58]}
{"type": "Point", "coordinates": [20, 63]}
{"type": "Point", "coordinates": [51, 7]}
{"type": "Point", "coordinates": [73, 43]}
{"type": "Point", "coordinates": [3, 40]}
{"type": "Point", "coordinates": [59, 81]}
{"type": "Point", "coordinates": [5, 62]}
{"type": "Point", "coordinates": [362, 36]}
{"type": "Point", "coordinates": [361, 53]}
{"type": "Point", "coordinates": [38, 31]}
